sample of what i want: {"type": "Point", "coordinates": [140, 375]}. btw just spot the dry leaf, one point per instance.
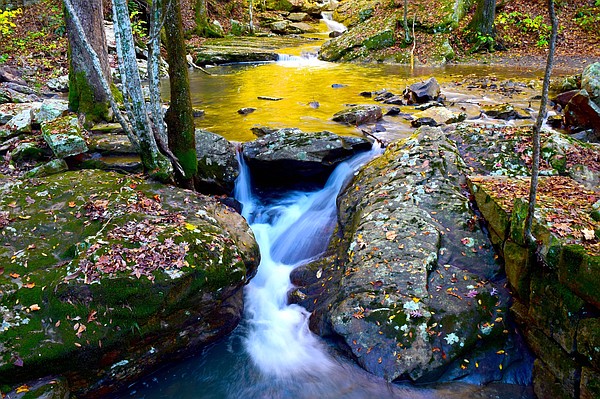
{"type": "Point", "coordinates": [391, 235]}
{"type": "Point", "coordinates": [588, 234]}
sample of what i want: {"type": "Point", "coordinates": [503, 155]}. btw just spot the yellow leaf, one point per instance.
{"type": "Point", "coordinates": [34, 307]}
{"type": "Point", "coordinates": [22, 388]}
{"type": "Point", "coordinates": [190, 226]}
{"type": "Point", "coordinates": [416, 300]}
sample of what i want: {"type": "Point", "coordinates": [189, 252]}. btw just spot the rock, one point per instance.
{"type": "Point", "coordinates": [388, 291]}
{"type": "Point", "coordinates": [303, 27]}
{"type": "Point", "coordinates": [8, 74]}
{"type": "Point", "coordinates": [197, 112]}
{"type": "Point", "coordinates": [111, 144]}
{"type": "Point", "coordinates": [441, 115]}
{"type": "Point", "coordinates": [246, 111]}
{"type": "Point", "coordinates": [395, 100]}
{"type": "Point", "coordinates": [64, 137]}
{"type": "Point", "coordinates": [422, 92]}
{"type": "Point", "coordinates": [393, 111]}
{"type": "Point", "coordinates": [581, 112]}
{"type": "Point", "coordinates": [383, 95]}
{"type": "Point", "coordinates": [131, 273]}
{"type": "Point", "coordinates": [590, 82]}
{"type": "Point", "coordinates": [260, 131]}
{"type": "Point", "coordinates": [50, 168]}
{"type": "Point", "coordinates": [217, 163]}
{"type": "Point", "coordinates": [238, 28]}
{"type": "Point", "coordinates": [269, 98]}
{"type": "Point", "coordinates": [50, 110]}
{"type": "Point", "coordinates": [359, 115]}
{"type": "Point", "coordinates": [504, 112]}
{"type": "Point", "coordinates": [26, 151]}
{"type": "Point", "coordinates": [59, 84]}
{"type": "Point", "coordinates": [290, 156]}
{"type": "Point", "coordinates": [567, 83]}
{"type": "Point", "coordinates": [563, 99]}
{"type": "Point", "coordinates": [425, 121]}
{"type": "Point", "coordinates": [19, 88]}
{"type": "Point", "coordinates": [44, 388]}
{"type": "Point", "coordinates": [20, 123]}
{"type": "Point", "coordinates": [298, 17]}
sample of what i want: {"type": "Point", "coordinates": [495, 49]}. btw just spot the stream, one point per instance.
{"type": "Point", "coordinates": [272, 353]}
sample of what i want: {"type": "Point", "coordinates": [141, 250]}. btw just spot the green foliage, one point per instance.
{"type": "Point", "coordinates": [588, 17]}
{"type": "Point", "coordinates": [6, 21]}
{"type": "Point", "coordinates": [527, 24]}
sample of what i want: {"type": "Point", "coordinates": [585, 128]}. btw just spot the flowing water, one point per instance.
{"type": "Point", "coordinates": [272, 353]}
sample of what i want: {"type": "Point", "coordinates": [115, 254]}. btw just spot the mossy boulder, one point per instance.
{"type": "Point", "coordinates": [64, 136]}
{"type": "Point", "coordinates": [590, 82]}
{"type": "Point", "coordinates": [359, 115]}
{"type": "Point", "coordinates": [104, 276]}
{"type": "Point", "coordinates": [404, 284]}
{"type": "Point", "coordinates": [217, 163]}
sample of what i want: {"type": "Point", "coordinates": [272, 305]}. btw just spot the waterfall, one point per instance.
{"type": "Point", "coordinates": [331, 24]}
{"type": "Point", "coordinates": [289, 231]}
{"type": "Point", "coordinates": [305, 59]}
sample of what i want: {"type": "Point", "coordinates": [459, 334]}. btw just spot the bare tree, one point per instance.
{"type": "Point", "coordinates": [538, 127]}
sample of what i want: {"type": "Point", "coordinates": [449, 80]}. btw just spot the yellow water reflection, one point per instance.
{"type": "Point", "coordinates": [306, 82]}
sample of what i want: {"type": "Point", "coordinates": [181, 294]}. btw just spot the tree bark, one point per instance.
{"type": "Point", "coordinates": [154, 162]}
{"type": "Point", "coordinates": [483, 25]}
{"type": "Point", "coordinates": [86, 94]}
{"type": "Point", "coordinates": [535, 170]}
{"type": "Point", "coordinates": [179, 117]}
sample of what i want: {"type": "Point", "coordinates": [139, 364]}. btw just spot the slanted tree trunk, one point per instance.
{"type": "Point", "coordinates": [535, 170]}
{"type": "Point", "coordinates": [86, 95]}
{"type": "Point", "coordinates": [482, 25]}
{"type": "Point", "coordinates": [153, 160]}
{"type": "Point", "coordinates": [179, 117]}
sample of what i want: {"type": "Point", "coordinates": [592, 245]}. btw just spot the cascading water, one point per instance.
{"type": "Point", "coordinates": [331, 24]}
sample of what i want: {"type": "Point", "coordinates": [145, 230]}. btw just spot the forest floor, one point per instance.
{"type": "Point", "coordinates": [37, 44]}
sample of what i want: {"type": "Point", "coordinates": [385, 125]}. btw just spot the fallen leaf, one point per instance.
{"type": "Point", "coordinates": [34, 307]}
{"type": "Point", "coordinates": [588, 234]}
{"type": "Point", "coordinates": [391, 235]}
{"type": "Point", "coordinates": [22, 388]}
{"type": "Point", "coordinates": [71, 204]}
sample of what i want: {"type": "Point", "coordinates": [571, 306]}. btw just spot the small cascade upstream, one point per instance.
{"type": "Point", "coordinates": [331, 24]}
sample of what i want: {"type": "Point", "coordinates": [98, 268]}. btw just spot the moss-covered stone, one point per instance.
{"type": "Point", "coordinates": [98, 264]}
{"type": "Point", "coordinates": [49, 168]}
{"type": "Point", "coordinates": [588, 340]}
{"type": "Point", "coordinates": [580, 271]}
{"type": "Point", "coordinates": [517, 264]}
{"type": "Point", "coordinates": [590, 384]}
{"type": "Point", "coordinates": [64, 136]}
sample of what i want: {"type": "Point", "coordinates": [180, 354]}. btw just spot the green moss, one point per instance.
{"type": "Point", "coordinates": [83, 100]}
{"type": "Point", "coordinates": [381, 40]}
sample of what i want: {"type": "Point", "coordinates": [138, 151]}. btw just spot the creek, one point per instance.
{"type": "Point", "coordinates": [272, 353]}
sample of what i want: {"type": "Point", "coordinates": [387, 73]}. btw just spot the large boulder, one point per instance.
{"type": "Point", "coordinates": [590, 82]}
{"type": "Point", "coordinates": [290, 156]}
{"type": "Point", "coordinates": [423, 92]}
{"type": "Point", "coordinates": [406, 285]}
{"type": "Point", "coordinates": [217, 163]}
{"type": "Point", "coordinates": [104, 277]}
{"type": "Point", "coordinates": [582, 113]}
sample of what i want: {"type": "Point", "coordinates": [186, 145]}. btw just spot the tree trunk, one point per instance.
{"type": "Point", "coordinates": [179, 118]}
{"type": "Point", "coordinates": [154, 162]}
{"type": "Point", "coordinates": [86, 95]}
{"type": "Point", "coordinates": [482, 25]}
{"type": "Point", "coordinates": [537, 128]}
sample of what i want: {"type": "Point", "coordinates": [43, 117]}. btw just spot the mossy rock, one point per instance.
{"type": "Point", "coordinates": [64, 136]}
{"type": "Point", "coordinates": [99, 264]}
{"type": "Point", "coordinates": [580, 271]}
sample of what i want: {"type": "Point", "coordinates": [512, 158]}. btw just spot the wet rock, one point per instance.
{"type": "Point", "coordinates": [217, 164]}
{"type": "Point", "coordinates": [563, 99]}
{"type": "Point", "coordinates": [269, 98]}
{"type": "Point", "coordinates": [359, 115]}
{"type": "Point", "coordinates": [590, 82]}
{"type": "Point", "coordinates": [64, 137]}
{"type": "Point", "coordinates": [424, 122]}
{"type": "Point", "coordinates": [246, 111]}
{"type": "Point", "coordinates": [389, 291]}
{"type": "Point", "coordinates": [290, 156]}
{"type": "Point", "coordinates": [197, 112]}
{"type": "Point", "coordinates": [44, 388]}
{"type": "Point", "coordinates": [132, 274]}
{"type": "Point", "coordinates": [384, 95]}
{"type": "Point", "coordinates": [504, 112]}
{"type": "Point", "coordinates": [441, 115]}
{"type": "Point", "coordinates": [582, 113]}
{"type": "Point", "coordinates": [395, 100]}
{"type": "Point", "coordinates": [260, 131]}
{"type": "Point", "coordinates": [422, 92]}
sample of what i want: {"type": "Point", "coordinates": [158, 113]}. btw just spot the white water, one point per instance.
{"type": "Point", "coordinates": [289, 231]}
{"type": "Point", "coordinates": [331, 24]}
